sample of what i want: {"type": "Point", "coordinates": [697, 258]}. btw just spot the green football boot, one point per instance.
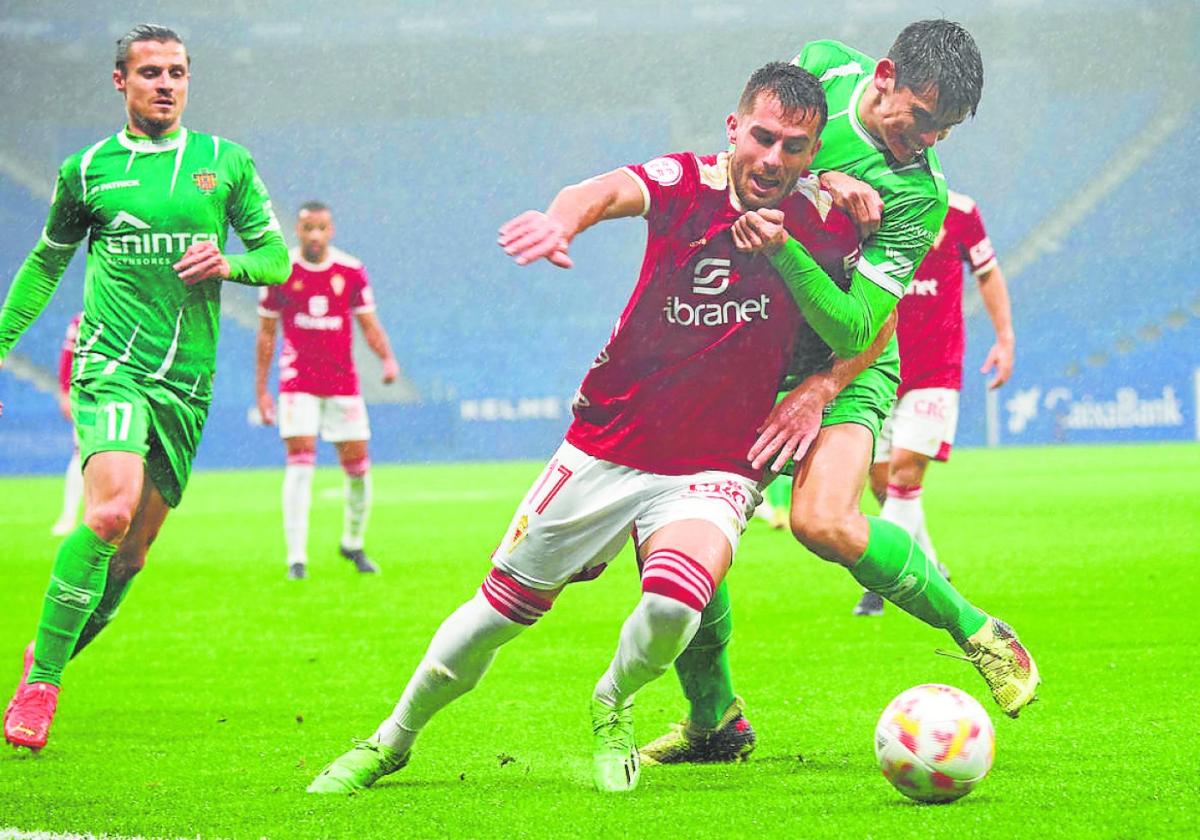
{"type": "Point", "coordinates": [615, 760]}
{"type": "Point", "coordinates": [732, 739]}
{"type": "Point", "coordinates": [1004, 664]}
{"type": "Point", "coordinates": [358, 769]}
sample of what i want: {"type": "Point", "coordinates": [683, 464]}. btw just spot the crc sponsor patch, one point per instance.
{"type": "Point", "coordinates": [664, 170]}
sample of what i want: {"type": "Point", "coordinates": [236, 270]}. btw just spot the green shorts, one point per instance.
{"type": "Point", "coordinates": [867, 400]}
{"type": "Point", "coordinates": [869, 397]}
{"type": "Point", "coordinates": [116, 414]}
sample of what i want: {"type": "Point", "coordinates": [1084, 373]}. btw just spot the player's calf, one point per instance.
{"type": "Point", "coordinates": [457, 658]}
{"type": "Point", "coordinates": [675, 589]}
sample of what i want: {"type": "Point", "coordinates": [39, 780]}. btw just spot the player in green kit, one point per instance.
{"type": "Point", "coordinates": [154, 202]}
{"type": "Point", "coordinates": [877, 160]}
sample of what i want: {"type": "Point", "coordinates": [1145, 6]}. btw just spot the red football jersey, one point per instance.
{"type": "Point", "coordinates": [67, 355]}
{"type": "Point", "coordinates": [930, 330]}
{"type": "Point", "coordinates": [315, 306]}
{"type": "Point", "coordinates": [693, 365]}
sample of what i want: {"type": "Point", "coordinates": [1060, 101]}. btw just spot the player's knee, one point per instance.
{"type": "Point", "coordinates": [677, 576]}
{"type": "Point", "coordinates": [110, 520]}
{"type": "Point", "coordinates": [356, 467]}
{"type": "Point", "coordinates": [669, 616]}
{"type": "Point", "coordinates": [513, 600]}
{"type": "Point", "coordinates": [301, 457]}
{"type": "Point", "coordinates": [821, 532]}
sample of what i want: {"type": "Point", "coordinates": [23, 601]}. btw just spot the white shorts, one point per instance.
{"type": "Point", "coordinates": [581, 510]}
{"type": "Point", "coordinates": [337, 419]}
{"type": "Point", "coordinates": [924, 421]}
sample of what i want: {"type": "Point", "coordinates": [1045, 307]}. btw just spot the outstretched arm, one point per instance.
{"type": "Point", "coordinates": [36, 280]}
{"type": "Point", "coordinates": [534, 235]}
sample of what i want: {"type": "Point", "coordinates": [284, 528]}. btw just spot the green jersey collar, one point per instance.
{"type": "Point", "coordinates": [855, 122]}
{"type": "Point", "coordinates": [146, 145]}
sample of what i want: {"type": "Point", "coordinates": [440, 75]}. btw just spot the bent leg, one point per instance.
{"type": "Point", "coordinates": [112, 488]}
{"type": "Point", "coordinates": [880, 555]}
{"type": "Point", "coordinates": [129, 559]}
{"type": "Point", "coordinates": [683, 562]}
{"type": "Point", "coordinates": [460, 652]}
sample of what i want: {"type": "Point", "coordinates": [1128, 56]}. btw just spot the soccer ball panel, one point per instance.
{"type": "Point", "coordinates": [934, 743]}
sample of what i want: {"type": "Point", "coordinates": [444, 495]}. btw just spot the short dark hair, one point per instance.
{"type": "Point", "coordinates": [942, 54]}
{"type": "Point", "coordinates": [313, 207]}
{"type": "Point", "coordinates": [797, 90]}
{"type": "Point", "coordinates": [145, 32]}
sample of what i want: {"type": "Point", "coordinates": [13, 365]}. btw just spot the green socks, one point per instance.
{"type": "Point", "coordinates": [76, 584]}
{"type": "Point", "coordinates": [895, 567]}
{"type": "Point", "coordinates": [114, 593]}
{"type": "Point", "coordinates": [703, 667]}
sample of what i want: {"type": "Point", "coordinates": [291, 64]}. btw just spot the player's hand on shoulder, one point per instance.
{"type": "Point", "coordinates": [202, 261]}
{"type": "Point", "coordinates": [760, 231]}
{"type": "Point", "coordinates": [534, 236]}
{"type": "Point", "coordinates": [857, 199]}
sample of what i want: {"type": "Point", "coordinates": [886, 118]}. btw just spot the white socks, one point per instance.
{"type": "Point", "coordinates": [459, 654]}
{"type": "Point", "coordinates": [903, 507]}
{"type": "Point", "coordinates": [297, 499]}
{"type": "Point", "coordinates": [357, 503]}
{"type": "Point", "coordinates": [656, 632]}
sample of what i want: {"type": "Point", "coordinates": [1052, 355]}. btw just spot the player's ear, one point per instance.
{"type": "Point", "coordinates": [731, 124]}
{"type": "Point", "coordinates": [118, 79]}
{"type": "Point", "coordinates": [885, 76]}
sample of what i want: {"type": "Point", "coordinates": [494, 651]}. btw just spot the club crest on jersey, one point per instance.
{"type": "Point", "coordinates": [664, 170]}
{"type": "Point", "coordinates": [205, 180]}
{"type": "Point", "coordinates": [519, 532]}
{"type": "Point", "coordinates": [338, 283]}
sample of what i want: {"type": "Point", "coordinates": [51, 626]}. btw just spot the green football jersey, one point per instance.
{"type": "Point", "coordinates": [914, 195]}
{"type": "Point", "coordinates": [141, 203]}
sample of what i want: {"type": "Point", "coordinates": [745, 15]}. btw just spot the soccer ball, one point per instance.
{"type": "Point", "coordinates": [934, 743]}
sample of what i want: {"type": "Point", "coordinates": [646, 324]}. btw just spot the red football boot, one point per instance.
{"type": "Point", "coordinates": [27, 723]}
{"type": "Point", "coordinates": [24, 678]}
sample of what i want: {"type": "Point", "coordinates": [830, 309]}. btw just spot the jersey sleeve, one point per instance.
{"type": "Point", "coordinates": [668, 185]}
{"type": "Point", "coordinates": [270, 301]}
{"type": "Point", "coordinates": [69, 219]}
{"type": "Point", "coordinates": [909, 227]}
{"type": "Point", "coordinates": [362, 299]}
{"type": "Point", "coordinates": [822, 57]}
{"type": "Point", "coordinates": [249, 208]}
{"type": "Point", "coordinates": [974, 245]}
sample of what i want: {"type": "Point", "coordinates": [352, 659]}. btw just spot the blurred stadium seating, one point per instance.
{"type": "Point", "coordinates": [427, 128]}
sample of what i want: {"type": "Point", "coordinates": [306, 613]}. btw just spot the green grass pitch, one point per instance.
{"type": "Point", "coordinates": [222, 688]}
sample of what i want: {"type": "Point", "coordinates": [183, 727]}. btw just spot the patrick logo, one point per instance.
{"type": "Point", "coordinates": [338, 283]}
{"type": "Point", "coordinates": [205, 180]}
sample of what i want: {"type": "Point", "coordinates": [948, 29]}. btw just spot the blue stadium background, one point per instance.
{"type": "Point", "coordinates": [425, 125]}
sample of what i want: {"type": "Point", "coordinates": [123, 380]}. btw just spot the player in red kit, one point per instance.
{"type": "Point", "coordinates": [73, 479]}
{"type": "Point", "coordinates": [932, 344]}
{"type": "Point", "coordinates": [318, 384]}
{"type": "Point", "coordinates": [664, 420]}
